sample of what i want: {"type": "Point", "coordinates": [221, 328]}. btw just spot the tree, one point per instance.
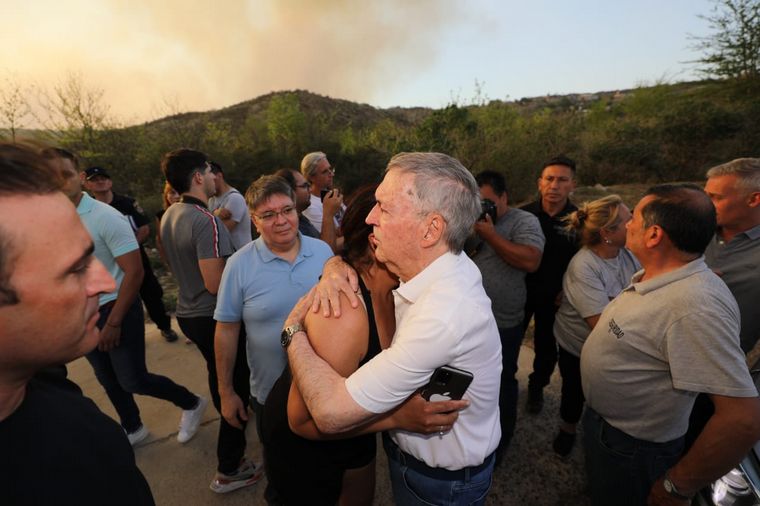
{"type": "Point", "coordinates": [286, 125]}
{"type": "Point", "coordinates": [74, 114]}
{"type": "Point", "coordinates": [14, 106]}
{"type": "Point", "coordinates": [733, 49]}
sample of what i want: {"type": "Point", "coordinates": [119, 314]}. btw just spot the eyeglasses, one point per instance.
{"type": "Point", "coordinates": [328, 170]}
{"type": "Point", "coordinates": [270, 216]}
{"type": "Point", "coordinates": [304, 185]}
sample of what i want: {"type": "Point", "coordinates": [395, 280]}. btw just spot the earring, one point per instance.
{"type": "Point", "coordinates": [607, 241]}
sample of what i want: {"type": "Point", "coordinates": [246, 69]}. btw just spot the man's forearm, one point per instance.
{"type": "Point", "coordinates": [229, 223]}
{"type": "Point", "coordinates": [323, 390]}
{"type": "Point", "coordinates": [225, 350]}
{"type": "Point", "coordinates": [130, 286]}
{"type": "Point", "coordinates": [724, 441]}
{"type": "Point", "coordinates": [329, 234]}
{"type": "Point", "coordinates": [142, 234]}
{"type": "Point", "coordinates": [521, 256]}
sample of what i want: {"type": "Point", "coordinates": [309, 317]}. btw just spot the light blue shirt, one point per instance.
{"type": "Point", "coordinates": [259, 288]}
{"type": "Point", "coordinates": [112, 235]}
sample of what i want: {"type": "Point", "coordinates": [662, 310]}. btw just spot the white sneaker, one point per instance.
{"type": "Point", "coordinates": [138, 436]}
{"type": "Point", "coordinates": [191, 420]}
{"type": "Point", "coordinates": [247, 474]}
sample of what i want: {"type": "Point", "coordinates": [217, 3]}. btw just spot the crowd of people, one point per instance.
{"type": "Point", "coordinates": [328, 324]}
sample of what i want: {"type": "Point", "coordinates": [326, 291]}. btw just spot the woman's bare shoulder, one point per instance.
{"type": "Point", "coordinates": [341, 342]}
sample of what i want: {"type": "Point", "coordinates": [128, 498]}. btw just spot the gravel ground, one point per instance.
{"type": "Point", "coordinates": [531, 472]}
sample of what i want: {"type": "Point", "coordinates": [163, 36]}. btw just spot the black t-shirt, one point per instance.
{"type": "Point", "coordinates": [560, 247]}
{"type": "Point", "coordinates": [302, 471]}
{"type": "Point", "coordinates": [129, 208]}
{"type": "Point", "coordinates": [58, 448]}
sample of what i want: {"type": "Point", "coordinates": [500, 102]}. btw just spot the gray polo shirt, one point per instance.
{"type": "Point", "coordinates": [190, 232]}
{"type": "Point", "coordinates": [589, 284]}
{"type": "Point", "coordinates": [504, 284]}
{"type": "Point", "coordinates": [657, 345]}
{"type": "Point", "coordinates": [739, 261]}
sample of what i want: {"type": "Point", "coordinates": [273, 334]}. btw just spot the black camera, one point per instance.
{"type": "Point", "coordinates": [488, 207]}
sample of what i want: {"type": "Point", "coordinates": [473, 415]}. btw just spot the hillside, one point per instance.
{"type": "Point", "coordinates": [340, 111]}
{"type": "Point", "coordinates": [649, 134]}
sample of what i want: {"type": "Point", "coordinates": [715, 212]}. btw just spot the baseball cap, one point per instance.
{"type": "Point", "coordinates": [96, 171]}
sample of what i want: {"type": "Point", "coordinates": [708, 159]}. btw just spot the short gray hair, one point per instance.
{"type": "Point", "coordinates": [310, 162]}
{"type": "Point", "coordinates": [442, 185]}
{"type": "Point", "coordinates": [747, 171]}
{"type": "Point", "coordinates": [264, 188]}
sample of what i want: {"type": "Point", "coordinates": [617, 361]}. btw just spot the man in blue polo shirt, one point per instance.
{"type": "Point", "coordinates": [98, 183]}
{"type": "Point", "coordinates": [260, 285]}
{"type": "Point", "coordinates": [119, 359]}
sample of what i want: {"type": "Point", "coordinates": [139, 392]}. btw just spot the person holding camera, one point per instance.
{"type": "Point", "coordinates": [509, 244]}
{"type": "Point", "coordinates": [326, 208]}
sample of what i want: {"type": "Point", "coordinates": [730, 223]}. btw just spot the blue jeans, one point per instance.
{"type": "Point", "coordinates": [511, 339]}
{"type": "Point", "coordinates": [414, 483]}
{"type": "Point", "coordinates": [622, 469]}
{"type": "Point", "coordinates": [122, 371]}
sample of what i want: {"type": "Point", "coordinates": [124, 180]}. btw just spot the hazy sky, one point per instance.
{"type": "Point", "coordinates": [201, 55]}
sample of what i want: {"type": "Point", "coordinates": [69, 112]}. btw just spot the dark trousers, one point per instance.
{"type": "Point", "coordinates": [230, 445]}
{"type": "Point", "coordinates": [544, 343]}
{"type": "Point", "coordinates": [622, 469]}
{"type": "Point", "coordinates": [152, 295]}
{"type": "Point", "coordinates": [571, 404]}
{"type": "Point", "coordinates": [511, 339]}
{"type": "Point", "coordinates": [122, 371]}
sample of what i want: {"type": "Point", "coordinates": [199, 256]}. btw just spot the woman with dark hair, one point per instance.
{"type": "Point", "coordinates": [596, 275]}
{"type": "Point", "coordinates": [300, 468]}
{"type": "Point", "coordinates": [169, 197]}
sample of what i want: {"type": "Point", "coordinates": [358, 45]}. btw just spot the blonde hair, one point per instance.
{"type": "Point", "coordinates": [591, 217]}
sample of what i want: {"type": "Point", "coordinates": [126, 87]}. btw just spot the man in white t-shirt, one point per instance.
{"type": "Point", "coordinates": [324, 213]}
{"type": "Point", "coordinates": [426, 207]}
{"type": "Point", "coordinates": [230, 207]}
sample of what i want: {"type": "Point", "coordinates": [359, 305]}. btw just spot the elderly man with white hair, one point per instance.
{"type": "Point", "coordinates": [426, 207]}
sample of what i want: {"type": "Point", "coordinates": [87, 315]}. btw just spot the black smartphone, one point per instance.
{"type": "Point", "coordinates": [323, 194]}
{"type": "Point", "coordinates": [447, 383]}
